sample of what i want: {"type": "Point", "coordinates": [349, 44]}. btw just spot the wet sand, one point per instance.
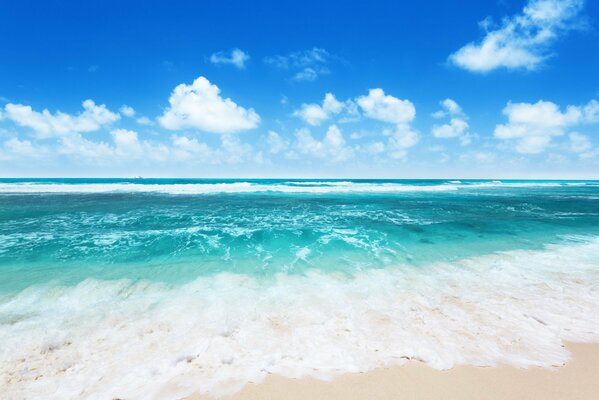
{"type": "Point", "coordinates": [578, 379]}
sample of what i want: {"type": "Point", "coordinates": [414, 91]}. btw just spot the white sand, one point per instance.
{"type": "Point", "coordinates": [578, 379]}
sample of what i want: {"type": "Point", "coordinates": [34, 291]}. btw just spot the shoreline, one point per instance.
{"type": "Point", "coordinates": [577, 379]}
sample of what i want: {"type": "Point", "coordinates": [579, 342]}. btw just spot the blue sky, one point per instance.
{"type": "Point", "coordinates": [290, 89]}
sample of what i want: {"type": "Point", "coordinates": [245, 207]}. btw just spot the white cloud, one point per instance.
{"type": "Point", "coordinates": [591, 111]}
{"type": "Point", "coordinates": [235, 151]}
{"type": "Point", "coordinates": [386, 108]}
{"type": "Point", "coordinates": [144, 121]}
{"type": "Point", "coordinates": [200, 106]}
{"type": "Point", "coordinates": [307, 74]}
{"type": "Point", "coordinates": [275, 142]}
{"type": "Point", "coordinates": [456, 127]}
{"type": "Point", "coordinates": [130, 112]}
{"type": "Point", "coordinates": [532, 126]}
{"type": "Point", "coordinates": [185, 148]}
{"type": "Point", "coordinates": [532, 144]}
{"type": "Point", "coordinates": [579, 143]}
{"type": "Point", "coordinates": [89, 151]}
{"type": "Point", "coordinates": [522, 40]}
{"type": "Point", "coordinates": [479, 157]}
{"type": "Point", "coordinates": [315, 114]}
{"type": "Point", "coordinates": [45, 124]}
{"type": "Point", "coordinates": [449, 107]}
{"type": "Point", "coordinates": [331, 148]}
{"type": "Point", "coordinates": [14, 148]}
{"type": "Point", "coordinates": [377, 105]}
{"type": "Point", "coordinates": [127, 111]}
{"type": "Point", "coordinates": [400, 139]}
{"type": "Point", "coordinates": [127, 143]}
{"type": "Point", "coordinates": [308, 64]}
{"type": "Point", "coordinates": [375, 147]}
{"type": "Point", "coordinates": [235, 57]}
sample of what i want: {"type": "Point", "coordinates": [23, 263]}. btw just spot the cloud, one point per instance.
{"type": "Point", "coordinates": [579, 143]}
{"type": "Point", "coordinates": [478, 157]}
{"type": "Point", "coordinates": [456, 127]}
{"type": "Point", "coordinates": [144, 121]}
{"type": "Point", "coordinates": [315, 114]}
{"type": "Point", "coordinates": [379, 106]}
{"type": "Point", "coordinates": [400, 140]}
{"type": "Point", "coordinates": [331, 148]}
{"type": "Point", "coordinates": [46, 125]}
{"type": "Point", "coordinates": [235, 57]}
{"type": "Point", "coordinates": [88, 151]}
{"type": "Point", "coordinates": [522, 41]}
{"type": "Point", "coordinates": [127, 111]}
{"type": "Point", "coordinates": [14, 148]}
{"type": "Point", "coordinates": [307, 74]}
{"type": "Point", "coordinates": [275, 142]}
{"type": "Point", "coordinates": [591, 111]}
{"type": "Point", "coordinates": [127, 143]}
{"type": "Point", "coordinates": [200, 106]}
{"type": "Point", "coordinates": [130, 112]}
{"type": "Point", "coordinates": [532, 126]}
{"type": "Point", "coordinates": [375, 105]}
{"type": "Point", "coordinates": [307, 64]}
{"type": "Point", "coordinates": [185, 148]}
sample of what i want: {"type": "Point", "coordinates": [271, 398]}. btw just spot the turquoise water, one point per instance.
{"type": "Point", "coordinates": [66, 231]}
{"type": "Point", "coordinates": [160, 288]}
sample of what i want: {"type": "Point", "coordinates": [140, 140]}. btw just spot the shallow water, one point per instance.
{"type": "Point", "coordinates": [108, 285]}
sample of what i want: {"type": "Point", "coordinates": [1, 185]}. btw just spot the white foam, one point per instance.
{"type": "Point", "coordinates": [208, 188]}
{"type": "Point", "coordinates": [283, 187]}
{"type": "Point", "coordinates": [118, 339]}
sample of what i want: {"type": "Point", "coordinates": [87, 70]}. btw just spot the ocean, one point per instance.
{"type": "Point", "coordinates": [159, 288]}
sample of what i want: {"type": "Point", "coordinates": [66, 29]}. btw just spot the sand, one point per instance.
{"type": "Point", "coordinates": [578, 379]}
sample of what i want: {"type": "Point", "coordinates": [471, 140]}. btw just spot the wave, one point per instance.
{"type": "Point", "coordinates": [137, 340]}
{"type": "Point", "coordinates": [282, 187]}
{"type": "Point", "coordinates": [208, 188]}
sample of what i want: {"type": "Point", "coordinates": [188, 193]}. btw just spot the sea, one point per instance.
{"type": "Point", "coordinates": [161, 288]}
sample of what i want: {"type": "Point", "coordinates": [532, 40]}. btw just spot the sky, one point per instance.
{"type": "Point", "coordinates": [366, 89]}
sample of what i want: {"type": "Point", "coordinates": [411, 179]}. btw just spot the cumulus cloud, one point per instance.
{"type": "Point", "coordinates": [532, 126]}
{"type": "Point", "coordinates": [579, 143]}
{"type": "Point", "coordinates": [400, 140]}
{"type": "Point", "coordinates": [15, 148]}
{"type": "Point", "coordinates": [235, 57]}
{"type": "Point", "coordinates": [127, 111]}
{"type": "Point", "coordinates": [144, 121]}
{"type": "Point", "coordinates": [127, 143]}
{"type": "Point", "coordinates": [307, 65]}
{"type": "Point", "coordinates": [315, 114]}
{"type": "Point", "coordinates": [130, 112]}
{"type": "Point", "coordinates": [375, 105]}
{"type": "Point", "coordinates": [46, 125]}
{"type": "Point", "coordinates": [591, 111]}
{"type": "Point", "coordinates": [200, 106]}
{"type": "Point", "coordinates": [521, 41]}
{"type": "Point", "coordinates": [275, 142]}
{"type": "Point", "coordinates": [185, 148]}
{"type": "Point", "coordinates": [331, 148]}
{"type": "Point", "coordinates": [379, 106]}
{"type": "Point", "coordinates": [386, 108]}
{"type": "Point", "coordinates": [456, 127]}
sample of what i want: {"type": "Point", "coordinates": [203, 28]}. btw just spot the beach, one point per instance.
{"type": "Point", "coordinates": [576, 380]}
{"type": "Point", "coordinates": [168, 288]}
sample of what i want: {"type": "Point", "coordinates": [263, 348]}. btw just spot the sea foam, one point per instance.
{"type": "Point", "coordinates": [314, 187]}
{"type": "Point", "coordinates": [143, 340]}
